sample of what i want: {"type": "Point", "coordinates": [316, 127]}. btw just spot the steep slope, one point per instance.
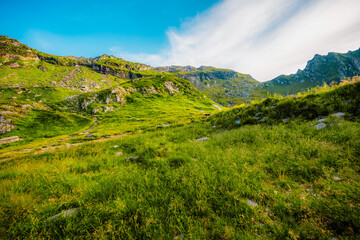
{"type": "Point", "coordinates": [224, 86]}
{"type": "Point", "coordinates": [40, 92]}
{"type": "Point", "coordinates": [329, 69]}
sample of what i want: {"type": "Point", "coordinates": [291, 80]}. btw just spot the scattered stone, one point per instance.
{"type": "Point", "coordinates": [6, 125]}
{"type": "Point", "coordinates": [90, 135]}
{"type": "Point", "coordinates": [118, 154]}
{"type": "Point", "coordinates": [263, 119]}
{"type": "Point", "coordinates": [285, 120]}
{"type": "Point", "coordinates": [13, 97]}
{"type": "Point", "coordinates": [251, 203]}
{"type": "Point", "coordinates": [339, 114]}
{"type": "Point", "coordinates": [171, 87]}
{"type": "Point", "coordinates": [179, 237]}
{"type": "Point", "coordinates": [116, 146]}
{"type": "Point", "coordinates": [320, 125]}
{"type": "Point", "coordinates": [238, 122]}
{"type": "Point", "coordinates": [217, 107]}
{"type": "Point", "coordinates": [9, 140]}
{"type": "Point", "coordinates": [322, 120]}
{"type": "Point", "coordinates": [202, 139]}
{"type": "Point", "coordinates": [214, 126]}
{"type": "Point", "coordinates": [67, 213]}
{"type": "Point", "coordinates": [131, 158]}
{"type": "Point", "coordinates": [7, 112]}
{"type": "Point", "coordinates": [347, 101]}
{"type": "Point", "coordinates": [336, 178]}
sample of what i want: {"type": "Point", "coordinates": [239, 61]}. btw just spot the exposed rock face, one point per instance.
{"type": "Point", "coordinates": [198, 78]}
{"type": "Point", "coordinates": [9, 140]}
{"type": "Point", "coordinates": [81, 102]}
{"type": "Point", "coordinates": [171, 87]}
{"type": "Point", "coordinates": [6, 125]}
{"type": "Point", "coordinates": [224, 86]}
{"type": "Point", "coordinates": [176, 69]}
{"type": "Point", "coordinates": [117, 73]}
{"type": "Point", "coordinates": [328, 69]}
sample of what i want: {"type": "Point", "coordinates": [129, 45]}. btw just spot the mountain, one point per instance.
{"type": "Point", "coordinates": [223, 86]}
{"type": "Point", "coordinates": [329, 69]}
{"type": "Point", "coordinates": [46, 96]}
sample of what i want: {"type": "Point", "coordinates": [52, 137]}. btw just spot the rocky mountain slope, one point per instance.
{"type": "Point", "coordinates": [329, 69]}
{"type": "Point", "coordinates": [45, 96]}
{"type": "Point", "coordinates": [224, 86]}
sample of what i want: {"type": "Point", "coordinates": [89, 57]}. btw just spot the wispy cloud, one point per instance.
{"type": "Point", "coordinates": [264, 38]}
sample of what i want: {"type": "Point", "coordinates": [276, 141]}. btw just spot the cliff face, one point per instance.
{"type": "Point", "coordinates": [328, 69]}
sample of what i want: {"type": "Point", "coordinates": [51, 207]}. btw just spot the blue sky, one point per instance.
{"type": "Point", "coordinates": [90, 28]}
{"type": "Point", "coordinates": [264, 38]}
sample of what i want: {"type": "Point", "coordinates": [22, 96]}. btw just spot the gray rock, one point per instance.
{"type": "Point", "coordinates": [214, 126]}
{"type": "Point", "coordinates": [131, 158]}
{"type": "Point", "coordinates": [202, 139]}
{"type": "Point", "coordinates": [216, 106]}
{"type": "Point", "coordinates": [251, 203]}
{"type": "Point", "coordinates": [181, 236]}
{"type": "Point", "coordinates": [320, 125]}
{"type": "Point", "coordinates": [6, 125]}
{"type": "Point", "coordinates": [9, 140]}
{"type": "Point", "coordinates": [336, 178]}
{"type": "Point", "coordinates": [90, 135]}
{"type": "Point", "coordinates": [118, 154]}
{"type": "Point", "coordinates": [339, 114]}
{"type": "Point", "coordinates": [115, 146]}
{"type": "Point", "coordinates": [285, 120]}
{"type": "Point", "coordinates": [67, 213]}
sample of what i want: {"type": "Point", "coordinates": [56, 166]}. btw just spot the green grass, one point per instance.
{"type": "Point", "coordinates": [151, 113]}
{"type": "Point", "coordinates": [39, 124]}
{"type": "Point", "coordinates": [178, 186]}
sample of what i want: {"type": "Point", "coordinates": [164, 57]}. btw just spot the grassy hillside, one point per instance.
{"type": "Point", "coordinates": [225, 177]}
{"type": "Point", "coordinates": [49, 101]}
{"type": "Point", "coordinates": [224, 86]}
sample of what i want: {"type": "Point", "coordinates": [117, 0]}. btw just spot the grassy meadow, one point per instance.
{"type": "Point", "coordinates": [259, 171]}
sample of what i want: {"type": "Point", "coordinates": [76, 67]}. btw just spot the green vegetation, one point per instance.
{"type": "Point", "coordinates": [308, 106]}
{"type": "Point", "coordinates": [166, 184]}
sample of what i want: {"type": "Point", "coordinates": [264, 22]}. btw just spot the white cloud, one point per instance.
{"type": "Point", "coordinates": [264, 38]}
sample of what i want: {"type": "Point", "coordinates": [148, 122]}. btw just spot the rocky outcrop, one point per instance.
{"type": "Point", "coordinates": [9, 140]}
{"type": "Point", "coordinates": [328, 69]}
{"type": "Point", "coordinates": [103, 69]}
{"type": "Point", "coordinates": [6, 125]}
{"type": "Point", "coordinates": [175, 69]}
{"type": "Point", "coordinates": [108, 96]}
{"type": "Point", "coordinates": [223, 86]}
{"type": "Point", "coordinates": [171, 87]}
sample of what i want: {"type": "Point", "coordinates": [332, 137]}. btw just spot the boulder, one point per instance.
{"type": "Point", "coordinates": [9, 140]}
